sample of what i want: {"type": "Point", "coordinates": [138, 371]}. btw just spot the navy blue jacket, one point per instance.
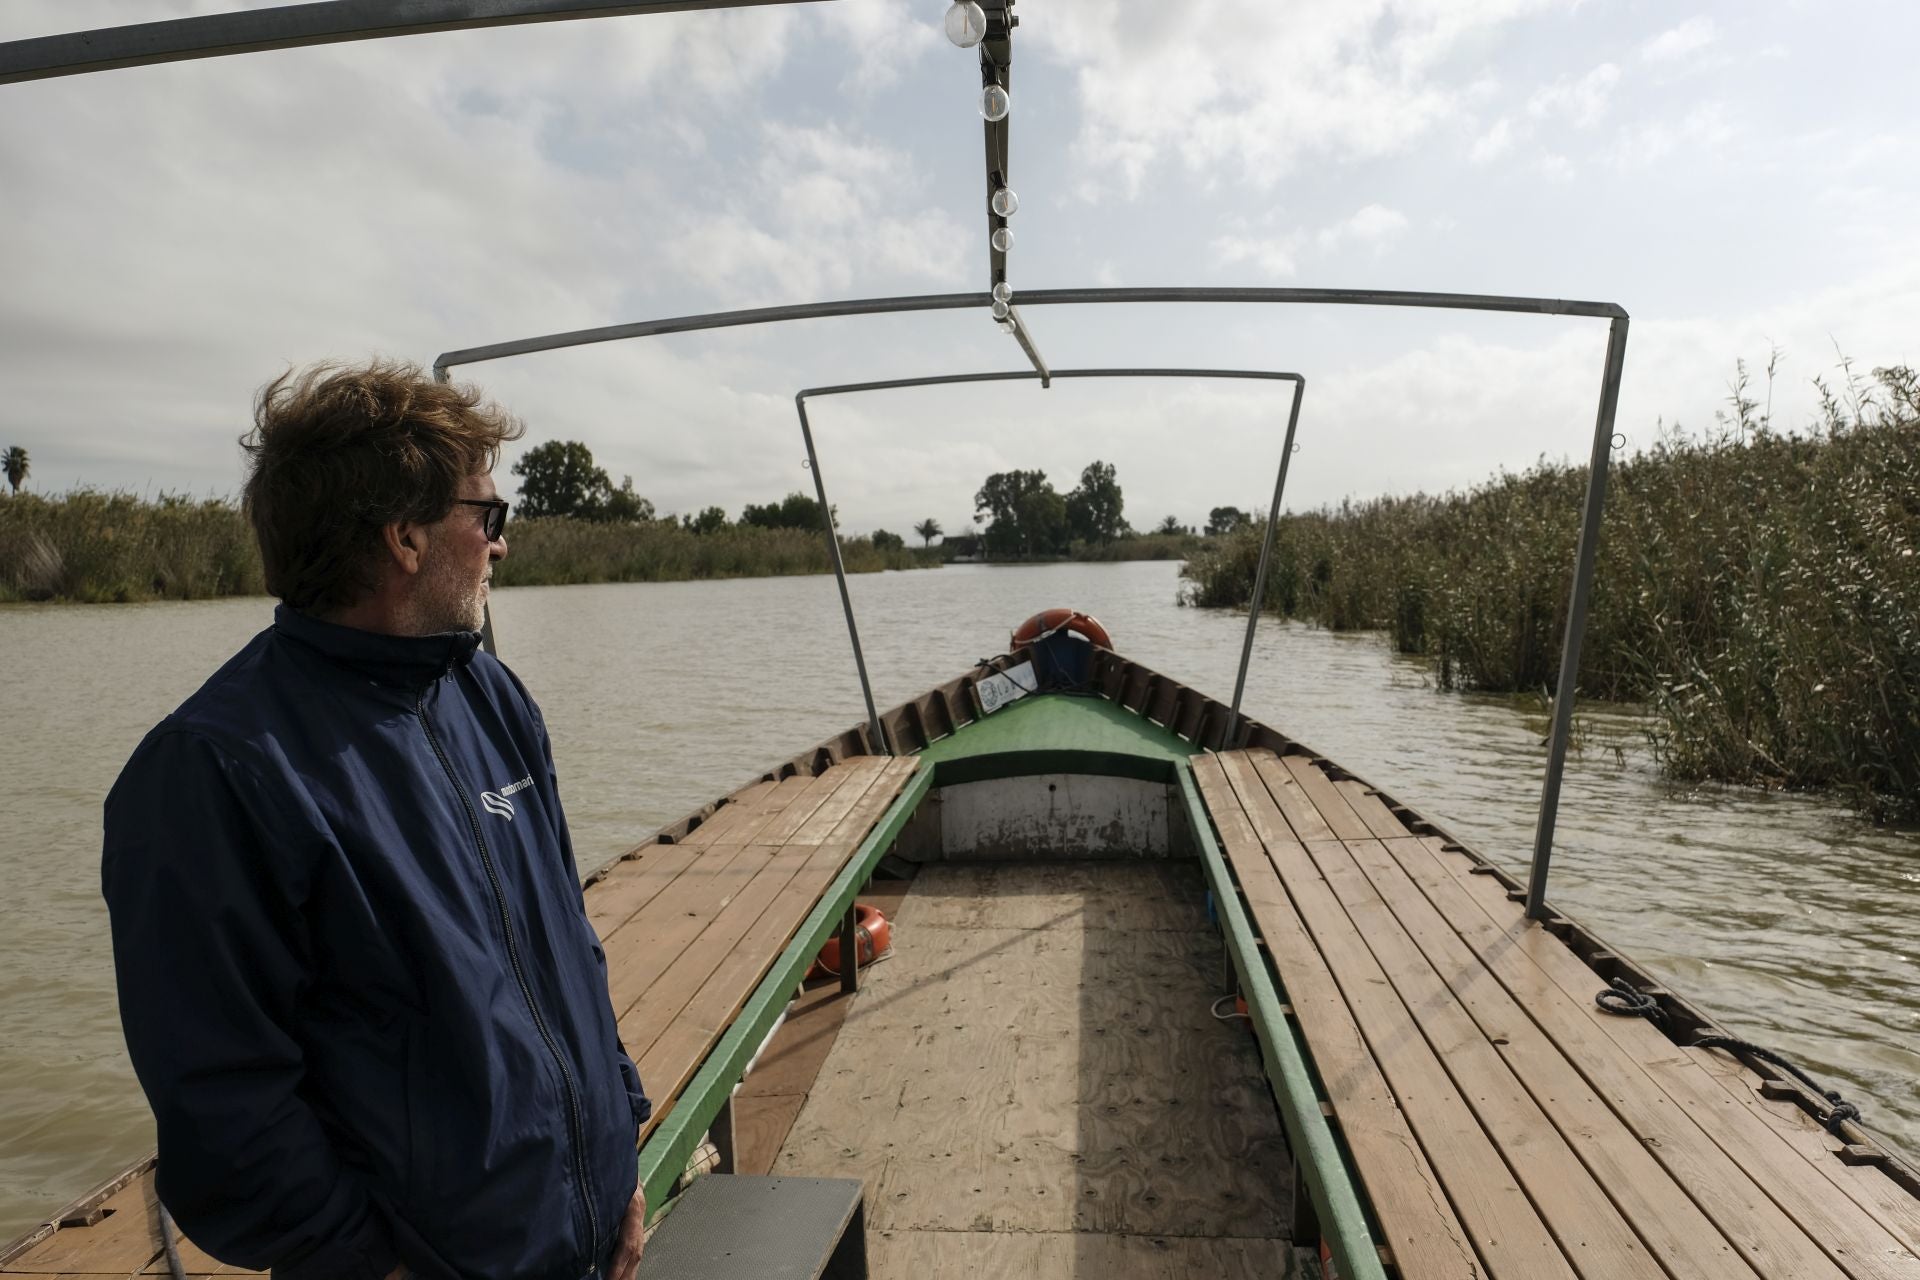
{"type": "Point", "coordinates": [356, 975]}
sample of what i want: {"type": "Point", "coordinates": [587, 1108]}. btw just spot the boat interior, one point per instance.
{"type": "Point", "coordinates": [1164, 993]}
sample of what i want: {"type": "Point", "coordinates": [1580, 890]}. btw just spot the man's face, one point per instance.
{"type": "Point", "coordinates": [451, 594]}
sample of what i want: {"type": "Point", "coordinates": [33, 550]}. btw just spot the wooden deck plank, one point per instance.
{"type": "Point", "coordinates": [1591, 1229]}
{"type": "Point", "coordinates": [1650, 1157]}
{"type": "Point", "coordinates": [1320, 789]}
{"type": "Point", "coordinates": [1301, 815]}
{"type": "Point", "coordinates": [676, 1053]}
{"type": "Point", "coordinates": [121, 1243]}
{"type": "Point", "coordinates": [648, 941]}
{"type": "Point", "coordinates": [744, 805]}
{"type": "Point", "coordinates": [1415, 1219]}
{"type": "Point", "coordinates": [617, 897]}
{"type": "Point", "coordinates": [1849, 1236]}
{"type": "Point", "coordinates": [678, 968]}
{"type": "Point", "coordinates": [1506, 1227]}
{"type": "Point", "coordinates": [1372, 810]}
{"type": "Point", "coordinates": [824, 823]}
{"type": "Point", "coordinates": [1767, 1237]}
{"type": "Point", "coordinates": [679, 977]}
{"type": "Point", "coordinates": [1869, 1187]}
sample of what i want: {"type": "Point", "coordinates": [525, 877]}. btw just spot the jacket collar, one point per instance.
{"type": "Point", "coordinates": [402, 662]}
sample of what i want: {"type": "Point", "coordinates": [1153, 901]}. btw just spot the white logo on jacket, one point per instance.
{"type": "Point", "coordinates": [496, 802]}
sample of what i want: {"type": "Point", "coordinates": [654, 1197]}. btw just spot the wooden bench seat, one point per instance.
{"type": "Point", "coordinates": [690, 929]}
{"type": "Point", "coordinates": [1499, 1123]}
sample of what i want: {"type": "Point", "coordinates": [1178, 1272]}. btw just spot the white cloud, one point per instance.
{"type": "Point", "coordinates": [1249, 91]}
{"type": "Point", "coordinates": [887, 37]}
{"type": "Point", "coordinates": [1672, 45]}
{"type": "Point", "coordinates": [1556, 168]}
{"type": "Point", "coordinates": [1373, 225]}
{"type": "Point", "coordinates": [1703, 128]}
{"type": "Point", "coordinates": [1273, 255]}
{"type": "Point", "coordinates": [1582, 101]}
{"type": "Point", "coordinates": [1494, 143]}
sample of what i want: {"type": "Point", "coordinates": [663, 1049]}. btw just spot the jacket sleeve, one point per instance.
{"type": "Point", "coordinates": [629, 1073]}
{"type": "Point", "coordinates": [204, 889]}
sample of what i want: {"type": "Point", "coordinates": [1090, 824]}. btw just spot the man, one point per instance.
{"type": "Point", "coordinates": [355, 970]}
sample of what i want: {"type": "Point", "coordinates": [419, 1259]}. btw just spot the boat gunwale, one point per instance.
{"type": "Point", "coordinates": [1192, 717]}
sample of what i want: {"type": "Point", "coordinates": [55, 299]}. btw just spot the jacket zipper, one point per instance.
{"type": "Point", "coordinates": [526, 990]}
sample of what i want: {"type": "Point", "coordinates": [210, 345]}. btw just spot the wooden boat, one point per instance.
{"type": "Point", "coordinates": [1048, 1075]}
{"type": "Point", "coordinates": [1168, 993]}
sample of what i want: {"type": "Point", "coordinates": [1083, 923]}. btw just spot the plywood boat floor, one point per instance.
{"type": "Point", "coordinates": [1565, 1141]}
{"type": "Point", "coordinates": [1046, 1086]}
{"type": "Point", "coordinates": [769, 1099]}
{"type": "Point", "coordinates": [689, 930]}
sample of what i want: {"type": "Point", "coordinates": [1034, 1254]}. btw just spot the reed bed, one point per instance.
{"type": "Point", "coordinates": [116, 547]}
{"type": "Point", "coordinates": [93, 547]}
{"type": "Point", "coordinates": [557, 550]}
{"type": "Point", "coordinates": [1757, 590]}
{"type": "Point", "coordinates": [1139, 546]}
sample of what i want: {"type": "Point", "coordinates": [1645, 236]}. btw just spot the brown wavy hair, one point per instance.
{"type": "Point", "coordinates": [339, 451]}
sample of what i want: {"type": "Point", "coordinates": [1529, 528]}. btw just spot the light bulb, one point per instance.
{"type": "Point", "coordinates": [1006, 326]}
{"type": "Point", "coordinates": [966, 24]}
{"type": "Point", "coordinates": [1004, 202]}
{"type": "Point", "coordinates": [1003, 292]}
{"type": "Point", "coordinates": [1001, 308]}
{"type": "Point", "coordinates": [994, 102]}
{"type": "Point", "coordinates": [1003, 238]}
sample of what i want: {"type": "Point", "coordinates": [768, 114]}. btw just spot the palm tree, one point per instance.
{"type": "Point", "coordinates": [17, 466]}
{"type": "Point", "coordinates": [928, 529]}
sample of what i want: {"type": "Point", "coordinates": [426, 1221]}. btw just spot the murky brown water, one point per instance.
{"type": "Point", "coordinates": [1787, 917]}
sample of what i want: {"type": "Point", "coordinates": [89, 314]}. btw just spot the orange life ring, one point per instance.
{"type": "Point", "coordinates": [872, 938]}
{"type": "Point", "coordinates": [1048, 621]}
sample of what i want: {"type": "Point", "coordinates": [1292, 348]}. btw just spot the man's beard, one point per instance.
{"type": "Point", "coordinates": [449, 598]}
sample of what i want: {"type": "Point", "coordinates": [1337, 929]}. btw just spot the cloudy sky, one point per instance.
{"type": "Point", "coordinates": [1739, 176]}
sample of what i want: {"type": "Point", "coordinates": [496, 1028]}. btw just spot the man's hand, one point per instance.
{"type": "Point", "coordinates": [633, 1238]}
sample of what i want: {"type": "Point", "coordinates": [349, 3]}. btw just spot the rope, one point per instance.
{"type": "Point", "coordinates": [169, 1241]}
{"type": "Point", "coordinates": [1626, 1002]}
{"type": "Point", "coordinates": [1226, 1017]}
{"type": "Point", "coordinates": [1840, 1110]}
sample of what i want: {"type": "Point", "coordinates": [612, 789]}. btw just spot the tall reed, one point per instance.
{"type": "Point", "coordinates": [116, 547]}
{"type": "Point", "coordinates": [1758, 589]}
{"type": "Point", "coordinates": [91, 546]}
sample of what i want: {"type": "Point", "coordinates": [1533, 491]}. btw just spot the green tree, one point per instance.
{"type": "Point", "coordinates": [1225, 520]}
{"type": "Point", "coordinates": [884, 541]}
{"type": "Point", "coordinates": [17, 467]}
{"type": "Point", "coordinates": [1027, 517]}
{"type": "Point", "coordinates": [795, 511]}
{"type": "Point", "coordinates": [558, 478]}
{"type": "Point", "coordinates": [617, 506]}
{"type": "Point", "coordinates": [1171, 525]}
{"type": "Point", "coordinates": [1094, 507]}
{"type": "Point", "coordinates": [711, 520]}
{"type": "Point", "coordinates": [928, 529]}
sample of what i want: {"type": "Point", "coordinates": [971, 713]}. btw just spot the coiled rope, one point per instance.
{"type": "Point", "coordinates": [1624, 1001]}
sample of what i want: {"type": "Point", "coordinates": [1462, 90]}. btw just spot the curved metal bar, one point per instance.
{"type": "Point", "coordinates": [840, 576]}
{"type": "Point", "coordinates": [298, 25]}
{"type": "Point", "coordinates": [1583, 563]}
{"type": "Point", "coordinates": [1023, 375]}
{"type": "Point", "coordinates": [1037, 298]}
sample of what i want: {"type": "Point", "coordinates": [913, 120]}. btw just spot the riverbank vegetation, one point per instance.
{"type": "Point", "coordinates": [92, 547]}
{"type": "Point", "coordinates": [1758, 590]}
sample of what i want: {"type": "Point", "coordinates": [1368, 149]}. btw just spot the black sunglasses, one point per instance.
{"type": "Point", "coordinates": [495, 521]}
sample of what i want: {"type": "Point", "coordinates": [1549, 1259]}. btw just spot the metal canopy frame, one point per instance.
{"type": "Point", "coordinates": [1584, 556]}
{"type": "Point", "coordinates": [297, 26]}
{"type": "Point", "coordinates": [334, 21]}
{"type": "Point", "coordinates": [953, 379]}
